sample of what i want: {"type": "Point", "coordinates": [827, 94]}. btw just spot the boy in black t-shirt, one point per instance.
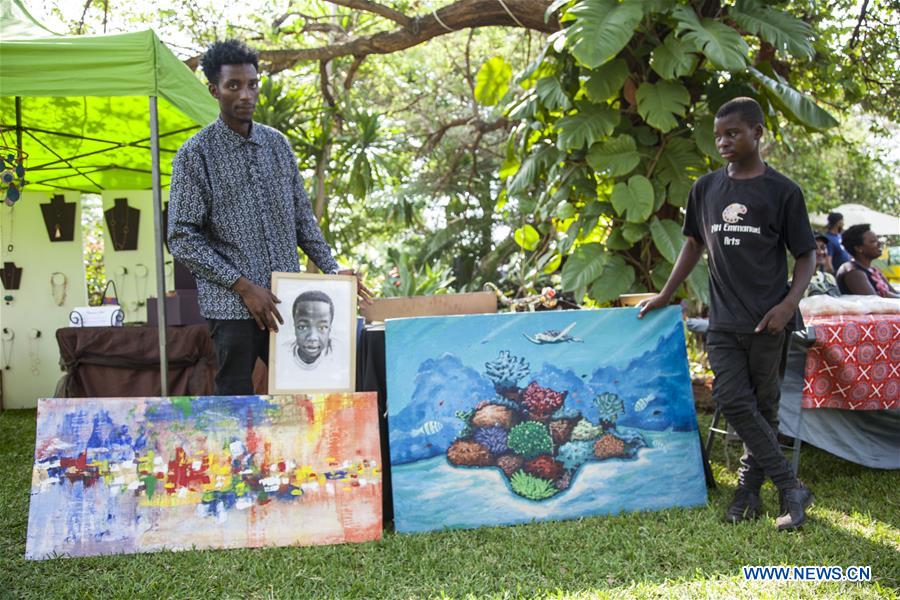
{"type": "Point", "coordinates": [745, 215]}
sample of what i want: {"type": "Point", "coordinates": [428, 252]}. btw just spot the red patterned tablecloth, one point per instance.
{"type": "Point", "coordinates": [854, 364]}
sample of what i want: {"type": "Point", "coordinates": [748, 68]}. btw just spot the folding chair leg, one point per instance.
{"type": "Point", "coordinates": [714, 429]}
{"type": "Point", "coordinates": [795, 450]}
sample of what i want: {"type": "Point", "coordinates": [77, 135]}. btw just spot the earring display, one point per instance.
{"type": "Point", "coordinates": [34, 356]}
{"type": "Point", "coordinates": [11, 276]}
{"type": "Point", "coordinates": [12, 171]}
{"type": "Point", "coordinates": [7, 338]}
{"type": "Point", "coordinates": [141, 274]}
{"type": "Point", "coordinates": [122, 222]}
{"type": "Point", "coordinates": [59, 287]}
{"type": "Point", "coordinates": [121, 281]}
{"type": "Point", "coordinates": [59, 218]}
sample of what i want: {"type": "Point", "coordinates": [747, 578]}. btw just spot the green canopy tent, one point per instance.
{"type": "Point", "coordinates": [96, 113]}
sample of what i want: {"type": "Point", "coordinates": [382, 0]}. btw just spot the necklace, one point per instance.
{"type": "Point", "coordinates": [7, 339]}
{"type": "Point", "coordinates": [141, 273]}
{"type": "Point", "coordinates": [34, 357]}
{"type": "Point", "coordinates": [59, 287]}
{"type": "Point", "coordinates": [59, 208]}
{"type": "Point", "coordinates": [8, 236]}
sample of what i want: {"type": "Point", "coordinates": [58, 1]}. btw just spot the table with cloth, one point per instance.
{"type": "Point", "coordinates": [842, 393]}
{"type": "Point", "coordinates": [854, 364]}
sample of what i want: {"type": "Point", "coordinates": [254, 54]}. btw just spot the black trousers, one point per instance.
{"type": "Point", "coordinates": [238, 344]}
{"type": "Point", "coordinates": [748, 369]}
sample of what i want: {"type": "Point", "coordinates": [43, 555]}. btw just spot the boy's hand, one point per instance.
{"type": "Point", "coordinates": [778, 316]}
{"type": "Point", "coordinates": [657, 301]}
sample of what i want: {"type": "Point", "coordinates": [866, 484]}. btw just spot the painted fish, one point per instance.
{"type": "Point", "coordinates": [427, 428]}
{"type": "Point", "coordinates": [643, 402]}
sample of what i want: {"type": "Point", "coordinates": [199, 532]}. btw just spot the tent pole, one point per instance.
{"type": "Point", "coordinates": [19, 125]}
{"type": "Point", "coordinates": [157, 237]}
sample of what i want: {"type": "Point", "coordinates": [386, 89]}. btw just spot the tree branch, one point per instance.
{"type": "Point", "coordinates": [462, 14]}
{"type": "Point", "coordinates": [862, 16]}
{"type": "Point", "coordinates": [378, 9]}
{"type": "Point", "coordinates": [351, 72]}
{"type": "Point", "coordinates": [480, 126]}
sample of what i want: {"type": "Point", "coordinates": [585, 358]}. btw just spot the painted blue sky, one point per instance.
{"type": "Point", "coordinates": [612, 338]}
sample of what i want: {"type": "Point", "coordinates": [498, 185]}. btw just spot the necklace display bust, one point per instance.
{"type": "Point", "coordinates": [59, 218]}
{"type": "Point", "coordinates": [122, 222]}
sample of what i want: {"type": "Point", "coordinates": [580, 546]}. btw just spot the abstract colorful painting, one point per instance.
{"type": "Point", "coordinates": [509, 418]}
{"type": "Point", "coordinates": [122, 475]}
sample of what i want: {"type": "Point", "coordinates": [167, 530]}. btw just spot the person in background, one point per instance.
{"type": "Point", "coordinates": [833, 234]}
{"type": "Point", "coordinates": [823, 281]}
{"type": "Point", "coordinates": [858, 276]}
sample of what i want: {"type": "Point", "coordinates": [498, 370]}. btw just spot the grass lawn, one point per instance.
{"type": "Point", "coordinates": [673, 553]}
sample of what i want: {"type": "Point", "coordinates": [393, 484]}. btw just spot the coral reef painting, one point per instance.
{"type": "Point", "coordinates": [123, 475]}
{"type": "Point", "coordinates": [509, 418]}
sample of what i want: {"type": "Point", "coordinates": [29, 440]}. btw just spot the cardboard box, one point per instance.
{"type": "Point", "coordinates": [430, 306]}
{"type": "Point", "coordinates": [181, 309]}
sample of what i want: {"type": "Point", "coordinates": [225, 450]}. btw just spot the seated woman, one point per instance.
{"type": "Point", "coordinates": [858, 276]}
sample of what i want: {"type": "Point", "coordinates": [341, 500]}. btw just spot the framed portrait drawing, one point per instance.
{"type": "Point", "coordinates": [315, 349]}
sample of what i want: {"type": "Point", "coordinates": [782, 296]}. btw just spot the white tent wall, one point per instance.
{"type": "Point", "coordinates": [34, 362]}
{"type": "Point", "coordinates": [134, 271]}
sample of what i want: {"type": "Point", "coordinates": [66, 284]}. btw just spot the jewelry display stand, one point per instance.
{"type": "Point", "coordinates": [11, 276]}
{"type": "Point", "coordinates": [59, 218]}
{"type": "Point", "coordinates": [47, 280]}
{"type": "Point", "coordinates": [123, 223]}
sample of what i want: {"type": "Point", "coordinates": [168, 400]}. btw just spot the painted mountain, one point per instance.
{"type": "Point", "coordinates": [530, 413]}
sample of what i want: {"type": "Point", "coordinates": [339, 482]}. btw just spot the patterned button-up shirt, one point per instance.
{"type": "Point", "coordinates": [237, 207]}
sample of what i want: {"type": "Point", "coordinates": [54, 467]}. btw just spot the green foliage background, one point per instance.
{"type": "Point", "coordinates": [505, 155]}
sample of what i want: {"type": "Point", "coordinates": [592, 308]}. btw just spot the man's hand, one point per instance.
{"type": "Point", "coordinates": [657, 301]}
{"type": "Point", "coordinates": [365, 295]}
{"type": "Point", "coordinates": [260, 302]}
{"type": "Point", "coordinates": [778, 316]}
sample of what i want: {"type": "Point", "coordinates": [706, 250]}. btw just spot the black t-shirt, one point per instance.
{"type": "Point", "coordinates": [745, 225]}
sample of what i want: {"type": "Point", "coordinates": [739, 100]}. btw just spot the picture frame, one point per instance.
{"type": "Point", "coordinates": [325, 359]}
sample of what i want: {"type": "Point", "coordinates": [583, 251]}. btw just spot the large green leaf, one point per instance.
{"type": "Point", "coordinates": [706, 139]}
{"type": "Point", "coordinates": [591, 123]}
{"type": "Point", "coordinates": [527, 237]}
{"type": "Point", "coordinates": [634, 232]}
{"type": "Point", "coordinates": [667, 238]}
{"type": "Point", "coordinates": [617, 241]}
{"type": "Point", "coordinates": [605, 82]}
{"type": "Point", "coordinates": [616, 279]}
{"type": "Point", "coordinates": [678, 165]}
{"type": "Point", "coordinates": [532, 167]}
{"type": "Point", "coordinates": [674, 58]}
{"type": "Point", "coordinates": [660, 274]}
{"type": "Point", "coordinates": [616, 156]}
{"type": "Point", "coordinates": [633, 200]}
{"type": "Point", "coordinates": [658, 103]}
{"type": "Point", "coordinates": [600, 29]}
{"type": "Point", "coordinates": [698, 282]}
{"type": "Point", "coordinates": [551, 94]}
{"type": "Point", "coordinates": [784, 31]}
{"type": "Point", "coordinates": [492, 81]}
{"type": "Point", "coordinates": [721, 44]}
{"type": "Point", "coordinates": [583, 266]}
{"type": "Point", "coordinates": [796, 106]}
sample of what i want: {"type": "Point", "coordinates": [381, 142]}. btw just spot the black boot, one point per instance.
{"type": "Point", "coordinates": [745, 505]}
{"type": "Point", "coordinates": [794, 503]}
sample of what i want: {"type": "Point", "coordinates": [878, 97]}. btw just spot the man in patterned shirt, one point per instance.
{"type": "Point", "coordinates": [237, 212]}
